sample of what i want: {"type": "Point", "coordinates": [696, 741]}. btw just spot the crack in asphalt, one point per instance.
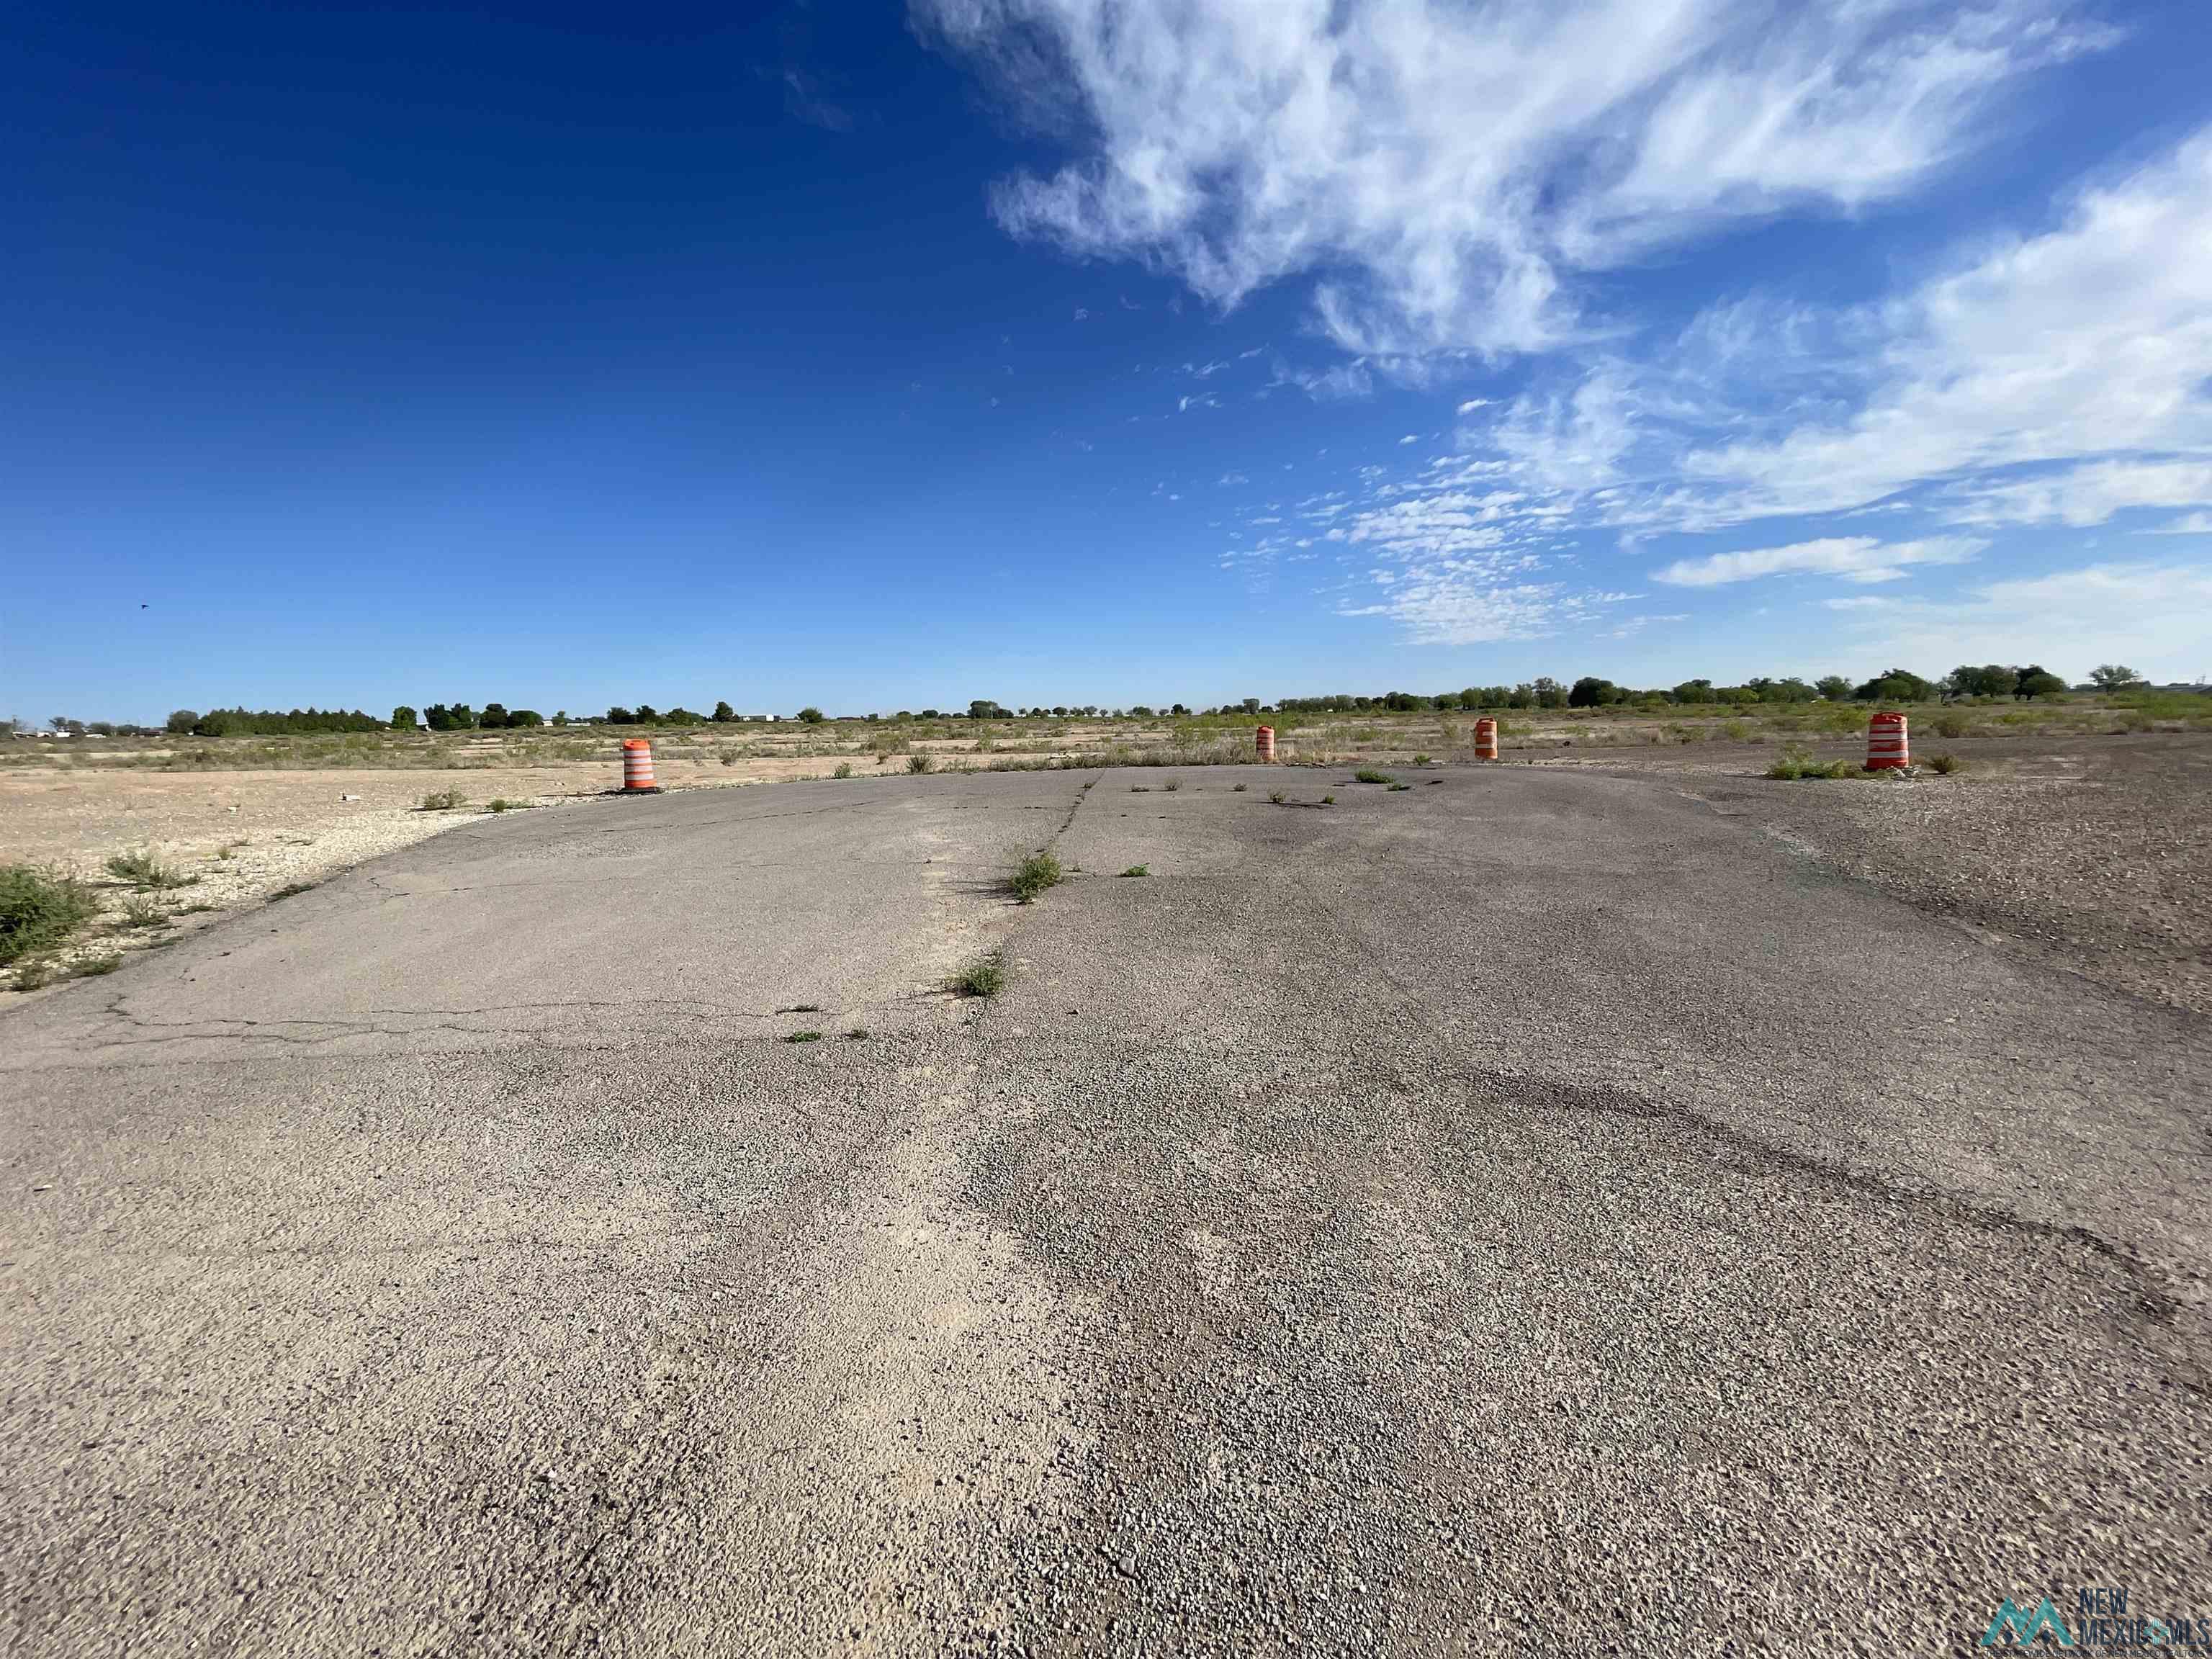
{"type": "Point", "coordinates": [333, 1030]}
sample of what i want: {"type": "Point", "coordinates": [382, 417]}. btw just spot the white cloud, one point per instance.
{"type": "Point", "coordinates": [804, 99]}
{"type": "Point", "coordinates": [1451, 606]}
{"type": "Point", "coordinates": [2086, 494]}
{"type": "Point", "coordinates": [1854, 558]}
{"type": "Point", "coordinates": [1456, 166]}
{"type": "Point", "coordinates": [1450, 522]}
{"type": "Point", "coordinates": [1350, 379]}
{"type": "Point", "coordinates": [2092, 342]}
{"type": "Point", "coordinates": [2156, 617]}
{"type": "Point", "coordinates": [1573, 442]}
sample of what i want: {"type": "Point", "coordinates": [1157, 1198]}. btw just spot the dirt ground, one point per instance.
{"type": "Point", "coordinates": [2091, 850]}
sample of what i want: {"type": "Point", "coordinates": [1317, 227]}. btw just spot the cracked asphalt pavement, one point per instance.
{"type": "Point", "coordinates": [1527, 1213]}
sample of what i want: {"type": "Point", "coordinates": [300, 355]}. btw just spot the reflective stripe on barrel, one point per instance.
{"type": "Point", "coordinates": [1266, 739]}
{"type": "Point", "coordinates": [637, 763]}
{"type": "Point", "coordinates": [1886, 743]}
{"type": "Point", "coordinates": [1485, 739]}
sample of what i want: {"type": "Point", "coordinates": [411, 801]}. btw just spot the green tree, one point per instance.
{"type": "Point", "coordinates": [811, 715]}
{"type": "Point", "coordinates": [1989, 680]}
{"type": "Point", "coordinates": [2109, 676]}
{"type": "Point", "coordinates": [1898, 685]}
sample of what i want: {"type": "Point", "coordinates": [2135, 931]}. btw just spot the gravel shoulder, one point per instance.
{"type": "Point", "coordinates": [2095, 857]}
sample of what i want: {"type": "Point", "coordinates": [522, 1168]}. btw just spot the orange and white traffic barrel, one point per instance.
{"type": "Point", "coordinates": [1485, 739]}
{"type": "Point", "coordinates": [637, 768]}
{"type": "Point", "coordinates": [1266, 743]}
{"type": "Point", "coordinates": [1885, 745]}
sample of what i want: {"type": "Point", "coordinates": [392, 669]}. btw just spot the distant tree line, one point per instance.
{"type": "Point", "coordinates": [269, 722]}
{"type": "Point", "coordinates": [1988, 680]}
{"type": "Point", "coordinates": [1895, 685]}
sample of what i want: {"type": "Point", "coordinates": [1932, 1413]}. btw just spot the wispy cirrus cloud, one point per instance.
{"type": "Point", "coordinates": [2132, 611]}
{"type": "Point", "coordinates": [2084, 495]}
{"type": "Point", "coordinates": [804, 99]}
{"type": "Point", "coordinates": [1453, 168]}
{"type": "Point", "coordinates": [2089, 346]}
{"type": "Point", "coordinates": [1852, 558]}
{"type": "Point", "coordinates": [1457, 184]}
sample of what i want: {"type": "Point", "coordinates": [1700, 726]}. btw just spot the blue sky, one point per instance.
{"type": "Point", "coordinates": [1066, 351]}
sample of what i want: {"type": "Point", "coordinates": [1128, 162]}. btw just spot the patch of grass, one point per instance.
{"type": "Point", "coordinates": [1039, 871]}
{"type": "Point", "coordinates": [39, 910]}
{"type": "Point", "coordinates": [1368, 774]}
{"type": "Point", "coordinates": [1943, 765]}
{"type": "Point", "coordinates": [442, 800]}
{"type": "Point", "coordinates": [1796, 762]}
{"type": "Point", "coordinates": [144, 871]}
{"type": "Point", "coordinates": [291, 888]}
{"type": "Point", "coordinates": [1137, 869]}
{"type": "Point", "coordinates": [844, 769]}
{"type": "Point", "coordinates": [804, 1036]}
{"type": "Point", "coordinates": [1277, 796]}
{"type": "Point", "coordinates": [919, 762]}
{"type": "Point", "coordinates": [142, 910]}
{"type": "Point", "coordinates": [986, 976]}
